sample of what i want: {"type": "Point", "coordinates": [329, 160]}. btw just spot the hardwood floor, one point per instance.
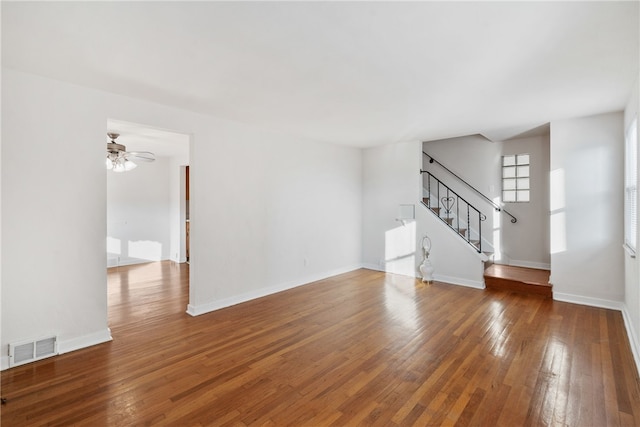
{"type": "Point", "coordinates": [362, 348]}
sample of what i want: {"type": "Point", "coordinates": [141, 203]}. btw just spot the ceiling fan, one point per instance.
{"type": "Point", "coordinates": [121, 160]}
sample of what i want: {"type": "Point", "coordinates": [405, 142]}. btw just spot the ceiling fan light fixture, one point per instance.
{"type": "Point", "coordinates": [118, 156]}
{"type": "Point", "coordinates": [122, 165]}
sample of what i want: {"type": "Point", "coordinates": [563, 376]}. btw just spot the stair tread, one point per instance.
{"type": "Point", "coordinates": [447, 218]}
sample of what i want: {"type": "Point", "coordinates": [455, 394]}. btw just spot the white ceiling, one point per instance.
{"type": "Point", "coordinates": [355, 73]}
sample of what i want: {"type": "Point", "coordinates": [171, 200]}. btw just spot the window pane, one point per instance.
{"type": "Point", "coordinates": [509, 172]}
{"type": "Point", "coordinates": [509, 184]}
{"type": "Point", "coordinates": [508, 160]}
{"type": "Point", "coordinates": [523, 195]}
{"type": "Point", "coordinates": [509, 196]}
{"type": "Point", "coordinates": [523, 183]}
{"type": "Point", "coordinates": [515, 178]}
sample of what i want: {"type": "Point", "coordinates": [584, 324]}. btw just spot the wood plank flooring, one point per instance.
{"type": "Point", "coordinates": [362, 348]}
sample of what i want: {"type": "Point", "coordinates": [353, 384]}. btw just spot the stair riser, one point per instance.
{"type": "Point", "coordinates": [500, 284]}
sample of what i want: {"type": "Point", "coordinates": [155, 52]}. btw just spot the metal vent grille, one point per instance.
{"type": "Point", "coordinates": [30, 351]}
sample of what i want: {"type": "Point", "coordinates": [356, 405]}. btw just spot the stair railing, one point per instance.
{"type": "Point", "coordinates": [446, 199]}
{"type": "Point", "coordinates": [496, 206]}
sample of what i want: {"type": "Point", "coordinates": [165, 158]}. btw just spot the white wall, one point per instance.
{"type": "Point", "coordinates": [54, 214]}
{"type": "Point", "coordinates": [392, 178]}
{"type": "Point", "coordinates": [631, 309]}
{"type": "Point", "coordinates": [586, 207]}
{"type": "Point", "coordinates": [138, 214]}
{"type": "Point", "coordinates": [262, 204]}
{"type": "Point", "coordinates": [268, 212]}
{"type": "Point", "coordinates": [526, 243]}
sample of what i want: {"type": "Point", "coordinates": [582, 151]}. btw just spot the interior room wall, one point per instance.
{"type": "Point", "coordinates": [526, 243]}
{"type": "Point", "coordinates": [586, 205]}
{"type": "Point", "coordinates": [278, 211]}
{"type": "Point", "coordinates": [268, 211]}
{"type": "Point", "coordinates": [54, 214]}
{"type": "Point", "coordinates": [390, 179]}
{"type": "Point", "coordinates": [138, 214]}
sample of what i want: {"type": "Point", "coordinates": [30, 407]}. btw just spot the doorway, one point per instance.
{"type": "Point", "coordinates": [187, 221]}
{"type": "Point", "coordinates": [147, 206]}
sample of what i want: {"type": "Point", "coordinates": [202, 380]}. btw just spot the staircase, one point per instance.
{"type": "Point", "coordinates": [466, 220]}
{"type": "Point", "coordinates": [449, 220]}
{"type": "Point", "coordinates": [453, 210]}
{"type": "Point", "coordinates": [518, 279]}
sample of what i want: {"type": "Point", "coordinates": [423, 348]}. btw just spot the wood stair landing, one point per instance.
{"type": "Point", "coordinates": [518, 279]}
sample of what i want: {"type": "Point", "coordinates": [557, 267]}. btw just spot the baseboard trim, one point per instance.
{"type": "Point", "coordinates": [73, 344]}
{"type": "Point", "coordinates": [135, 261]}
{"type": "Point", "coordinates": [593, 302]}
{"type": "Point", "coordinates": [374, 267]}
{"type": "Point", "coordinates": [631, 334]}
{"type": "Point", "coordinates": [437, 277]}
{"type": "Point", "coordinates": [459, 281]}
{"type": "Point", "coordinates": [197, 310]}
{"type": "Point", "coordinates": [529, 264]}
{"type": "Point", "coordinates": [84, 341]}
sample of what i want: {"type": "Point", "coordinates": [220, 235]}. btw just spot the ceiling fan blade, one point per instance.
{"type": "Point", "coordinates": [143, 156]}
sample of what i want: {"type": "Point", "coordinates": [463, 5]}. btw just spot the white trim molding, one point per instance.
{"type": "Point", "coordinates": [593, 302]}
{"type": "Point", "coordinates": [84, 341]}
{"type": "Point", "coordinates": [459, 281]}
{"type": "Point", "coordinates": [631, 334]}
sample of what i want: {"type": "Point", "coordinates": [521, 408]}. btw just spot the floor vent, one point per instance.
{"type": "Point", "coordinates": [30, 351]}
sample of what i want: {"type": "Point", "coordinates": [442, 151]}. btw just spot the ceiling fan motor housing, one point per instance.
{"type": "Point", "coordinates": [115, 148]}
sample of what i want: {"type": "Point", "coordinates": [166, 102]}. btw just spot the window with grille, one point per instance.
{"type": "Point", "coordinates": [515, 178]}
{"type": "Point", "coordinates": [631, 187]}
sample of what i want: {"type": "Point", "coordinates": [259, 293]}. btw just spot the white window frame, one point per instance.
{"type": "Point", "coordinates": [631, 188]}
{"type": "Point", "coordinates": [516, 178]}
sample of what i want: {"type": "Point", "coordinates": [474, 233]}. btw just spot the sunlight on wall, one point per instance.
{"type": "Point", "coordinates": [557, 219]}
{"type": "Point", "coordinates": [400, 249]}
{"type": "Point", "coordinates": [114, 246]}
{"type": "Point", "coordinates": [556, 194]}
{"type": "Point", "coordinates": [145, 249]}
{"type": "Point", "coordinates": [595, 193]}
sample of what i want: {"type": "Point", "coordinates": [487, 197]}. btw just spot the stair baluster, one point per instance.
{"type": "Point", "coordinates": [446, 204]}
